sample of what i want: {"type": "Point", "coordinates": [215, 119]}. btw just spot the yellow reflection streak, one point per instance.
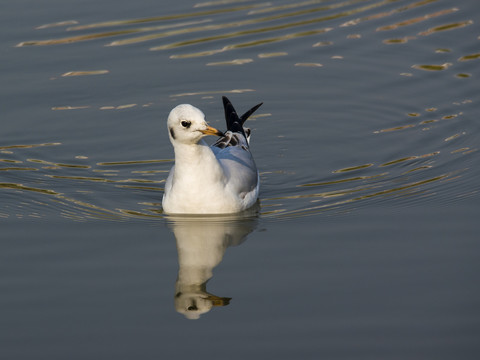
{"type": "Point", "coordinates": [14, 186]}
{"type": "Point", "coordinates": [309, 64]}
{"type": "Point", "coordinates": [470, 57]}
{"type": "Point", "coordinates": [432, 67]}
{"type": "Point", "coordinates": [149, 37]}
{"type": "Point", "coordinates": [81, 178]}
{"type": "Point", "coordinates": [403, 40]}
{"type": "Point", "coordinates": [388, 13]}
{"type": "Point", "coordinates": [73, 166]}
{"type": "Point", "coordinates": [87, 209]}
{"type": "Point", "coordinates": [277, 27]}
{"type": "Point", "coordinates": [28, 146]}
{"type": "Point", "coordinates": [137, 213]}
{"type": "Point", "coordinates": [424, 167]}
{"type": "Point", "coordinates": [144, 172]}
{"type": "Point", "coordinates": [133, 162]}
{"type": "Point", "coordinates": [231, 62]}
{"type": "Point", "coordinates": [323, 195]}
{"type": "Point", "coordinates": [85, 72]}
{"type": "Point", "coordinates": [98, 179]}
{"type": "Point", "coordinates": [392, 191]}
{"type": "Point", "coordinates": [41, 162]}
{"type": "Point", "coordinates": [57, 24]}
{"type": "Point", "coordinates": [450, 138]}
{"type": "Point", "coordinates": [396, 128]}
{"type": "Point", "coordinates": [235, 91]}
{"type": "Point", "coordinates": [292, 6]}
{"type": "Point", "coordinates": [445, 27]}
{"type": "Point", "coordinates": [423, 122]}
{"type": "Point", "coordinates": [11, 161]}
{"type": "Point", "coordinates": [352, 168]}
{"type": "Point", "coordinates": [165, 17]}
{"type": "Point", "coordinates": [460, 150]}
{"type": "Point", "coordinates": [219, 2]}
{"type": "Point", "coordinates": [149, 188]}
{"type": "Point", "coordinates": [417, 19]}
{"type": "Point", "coordinates": [74, 39]}
{"type": "Point", "coordinates": [393, 162]}
{"type": "Point", "coordinates": [68, 107]}
{"type": "Point", "coordinates": [252, 43]}
{"type": "Point", "coordinates": [341, 181]}
{"type": "Point", "coordinates": [404, 187]}
{"type": "Point", "coordinates": [260, 30]}
{"type": "Point", "coordinates": [230, 25]}
{"type": "Point", "coordinates": [140, 181]}
{"type": "Point", "coordinates": [274, 54]}
{"type": "Point", "coordinates": [18, 169]}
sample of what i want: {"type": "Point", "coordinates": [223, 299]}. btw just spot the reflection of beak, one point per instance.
{"type": "Point", "coordinates": [211, 131]}
{"type": "Point", "coordinates": [218, 301]}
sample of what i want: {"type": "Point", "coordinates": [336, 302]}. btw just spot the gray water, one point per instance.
{"type": "Point", "coordinates": [365, 241]}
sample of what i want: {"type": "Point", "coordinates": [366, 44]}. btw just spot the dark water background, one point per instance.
{"type": "Point", "coordinates": [366, 242]}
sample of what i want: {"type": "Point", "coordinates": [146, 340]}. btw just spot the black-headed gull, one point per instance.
{"type": "Point", "coordinates": [217, 179]}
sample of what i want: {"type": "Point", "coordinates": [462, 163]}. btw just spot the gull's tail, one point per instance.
{"type": "Point", "coordinates": [235, 123]}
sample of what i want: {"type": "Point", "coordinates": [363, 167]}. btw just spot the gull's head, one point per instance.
{"type": "Point", "coordinates": [187, 125]}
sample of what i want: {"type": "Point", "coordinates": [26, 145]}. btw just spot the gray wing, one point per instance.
{"type": "Point", "coordinates": [233, 153]}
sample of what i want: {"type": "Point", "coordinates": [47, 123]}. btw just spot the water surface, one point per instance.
{"type": "Point", "coordinates": [365, 239]}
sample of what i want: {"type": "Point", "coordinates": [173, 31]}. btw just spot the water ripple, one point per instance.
{"type": "Point", "coordinates": [38, 184]}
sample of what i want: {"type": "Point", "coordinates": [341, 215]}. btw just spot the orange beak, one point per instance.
{"type": "Point", "coordinates": [211, 131]}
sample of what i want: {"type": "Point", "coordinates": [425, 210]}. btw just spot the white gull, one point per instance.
{"type": "Point", "coordinates": [217, 179]}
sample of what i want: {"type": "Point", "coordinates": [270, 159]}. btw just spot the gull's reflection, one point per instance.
{"type": "Point", "coordinates": [201, 243]}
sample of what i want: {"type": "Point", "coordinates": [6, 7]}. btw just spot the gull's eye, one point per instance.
{"type": "Point", "coordinates": [186, 124]}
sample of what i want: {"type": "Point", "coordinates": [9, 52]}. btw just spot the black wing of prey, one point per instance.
{"type": "Point", "coordinates": [234, 125]}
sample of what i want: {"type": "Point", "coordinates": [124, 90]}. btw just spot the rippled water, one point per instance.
{"type": "Point", "coordinates": [367, 144]}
